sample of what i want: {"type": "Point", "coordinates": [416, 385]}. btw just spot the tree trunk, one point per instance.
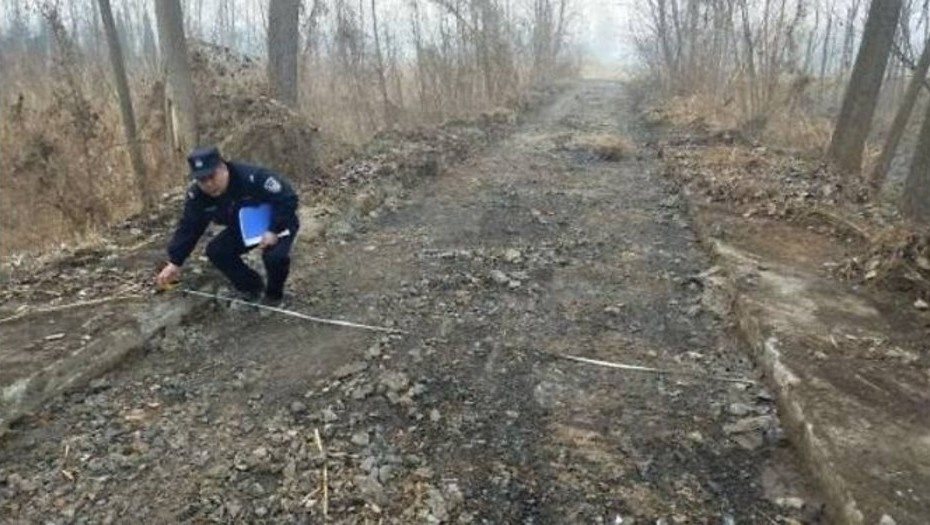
{"type": "Point", "coordinates": [382, 80]}
{"type": "Point", "coordinates": [750, 59]}
{"type": "Point", "coordinates": [808, 68]}
{"type": "Point", "coordinates": [283, 42]}
{"type": "Point", "coordinates": [825, 57]}
{"type": "Point", "coordinates": [149, 51]}
{"type": "Point", "coordinates": [901, 117]}
{"type": "Point", "coordinates": [852, 126]}
{"type": "Point", "coordinates": [916, 203]}
{"type": "Point", "coordinates": [664, 37]}
{"type": "Point", "coordinates": [125, 102]}
{"type": "Point", "coordinates": [181, 109]}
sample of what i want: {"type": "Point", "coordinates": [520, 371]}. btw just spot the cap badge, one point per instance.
{"type": "Point", "coordinates": [272, 185]}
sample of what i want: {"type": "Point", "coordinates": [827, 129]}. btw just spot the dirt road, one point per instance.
{"type": "Point", "coordinates": [496, 268]}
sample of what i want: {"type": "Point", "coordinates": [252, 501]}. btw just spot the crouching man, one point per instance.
{"type": "Point", "coordinates": [220, 189]}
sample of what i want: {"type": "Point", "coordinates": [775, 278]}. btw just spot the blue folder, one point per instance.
{"type": "Point", "coordinates": [255, 221]}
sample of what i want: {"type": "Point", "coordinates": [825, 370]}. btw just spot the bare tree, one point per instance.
{"type": "Point", "coordinates": [901, 117]}
{"type": "Point", "coordinates": [125, 101]}
{"type": "Point", "coordinates": [379, 58]}
{"type": "Point", "coordinates": [916, 203]}
{"type": "Point", "coordinates": [825, 57]}
{"type": "Point", "coordinates": [855, 119]}
{"type": "Point", "coordinates": [180, 106]}
{"type": "Point", "coordinates": [149, 51]}
{"type": "Point", "coordinates": [283, 42]}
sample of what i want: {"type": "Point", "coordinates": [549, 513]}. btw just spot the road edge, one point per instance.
{"type": "Point", "coordinates": [763, 349]}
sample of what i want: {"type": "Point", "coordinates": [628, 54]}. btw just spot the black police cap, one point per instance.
{"type": "Point", "coordinates": [203, 161]}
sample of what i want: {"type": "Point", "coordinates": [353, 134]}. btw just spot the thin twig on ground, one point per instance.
{"type": "Point", "coordinates": [93, 302]}
{"type": "Point", "coordinates": [319, 446]}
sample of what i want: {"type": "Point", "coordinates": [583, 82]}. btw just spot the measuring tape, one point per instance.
{"type": "Point", "coordinates": [291, 313]}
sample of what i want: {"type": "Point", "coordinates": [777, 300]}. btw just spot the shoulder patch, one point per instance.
{"type": "Point", "coordinates": [191, 195]}
{"type": "Point", "coordinates": [272, 185]}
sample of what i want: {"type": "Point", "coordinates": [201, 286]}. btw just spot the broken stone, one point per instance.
{"type": "Point", "coordinates": [750, 433]}
{"type": "Point", "coordinates": [434, 415]}
{"type": "Point", "coordinates": [402, 399]}
{"type": "Point", "coordinates": [233, 508]}
{"type": "Point", "coordinates": [511, 255]}
{"type": "Point", "coordinates": [499, 277]}
{"type": "Point", "coordinates": [792, 502]}
{"type": "Point", "coordinates": [886, 520]}
{"type": "Point", "coordinates": [371, 489]}
{"type": "Point", "coordinates": [369, 464]}
{"type": "Point", "coordinates": [919, 304]}
{"type": "Point", "coordinates": [394, 381]}
{"type": "Point", "coordinates": [349, 369]}
{"type": "Point", "coordinates": [696, 436]}
{"type": "Point", "coordinates": [417, 390]}
{"type": "Point", "coordinates": [739, 409]}
{"type": "Point", "coordinates": [750, 424]}
{"type": "Point", "coordinates": [328, 416]}
{"type": "Point", "coordinates": [362, 392]}
{"type": "Point", "coordinates": [923, 262]}
{"type": "Point", "coordinates": [298, 408]}
{"type": "Point", "coordinates": [374, 351]}
{"type": "Point", "coordinates": [217, 472]}
{"type": "Point", "coordinates": [905, 356]}
{"type": "Point", "coordinates": [360, 438]}
{"type": "Point", "coordinates": [454, 496]}
{"type": "Point", "coordinates": [437, 504]}
{"type": "Point", "coordinates": [385, 473]}
{"type": "Point", "coordinates": [765, 395]}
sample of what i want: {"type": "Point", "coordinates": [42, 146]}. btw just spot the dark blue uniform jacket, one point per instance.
{"type": "Point", "coordinates": [248, 186]}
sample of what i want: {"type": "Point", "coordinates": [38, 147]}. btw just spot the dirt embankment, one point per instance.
{"type": "Point", "coordinates": [830, 291]}
{"type": "Point", "coordinates": [730, 172]}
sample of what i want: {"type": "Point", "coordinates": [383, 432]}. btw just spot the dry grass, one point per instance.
{"type": "Point", "coordinates": [789, 122]}
{"type": "Point", "coordinates": [66, 171]}
{"type": "Point", "coordinates": [605, 146]}
{"type": "Point", "coordinates": [66, 168]}
{"type": "Point", "coordinates": [352, 110]}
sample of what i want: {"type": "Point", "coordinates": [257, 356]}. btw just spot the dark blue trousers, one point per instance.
{"type": "Point", "coordinates": [225, 252]}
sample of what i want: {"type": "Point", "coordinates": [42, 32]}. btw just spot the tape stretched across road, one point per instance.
{"type": "Point", "coordinates": [292, 313]}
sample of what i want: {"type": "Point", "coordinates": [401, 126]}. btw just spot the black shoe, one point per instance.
{"type": "Point", "coordinates": [272, 301]}
{"type": "Point", "coordinates": [248, 297]}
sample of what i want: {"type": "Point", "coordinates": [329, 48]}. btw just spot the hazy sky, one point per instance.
{"type": "Point", "coordinates": [602, 29]}
{"type": "Point", "coordinates": [599, 26]}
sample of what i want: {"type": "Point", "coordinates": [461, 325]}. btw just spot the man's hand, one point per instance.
{"type": "Point", "coordinates": [269, 239]}
{"type": "Point", "coordinates": [168, 275]}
